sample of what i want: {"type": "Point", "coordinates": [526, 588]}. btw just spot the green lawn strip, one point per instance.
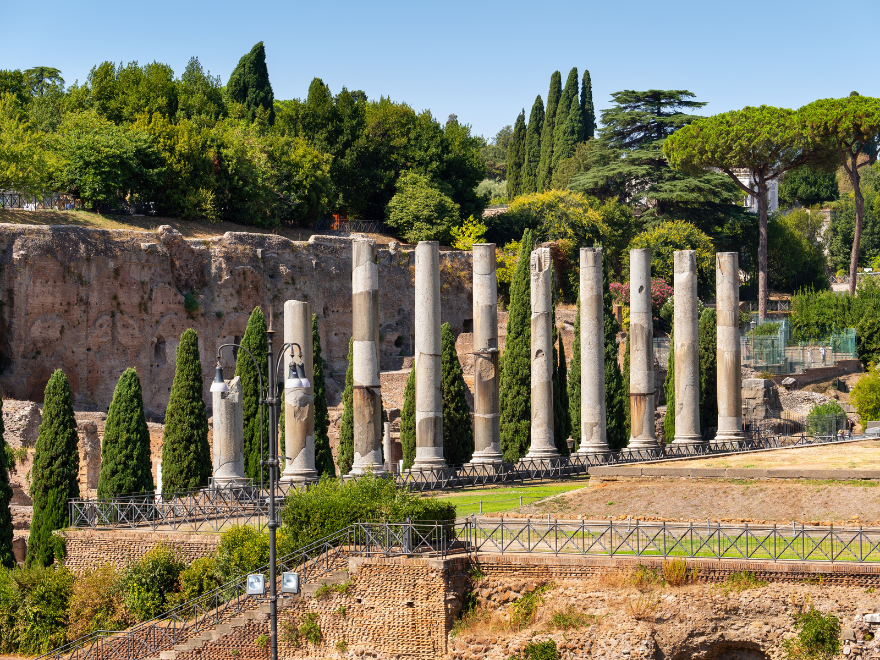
{"type": "Point", "coordinates": [498, 500]}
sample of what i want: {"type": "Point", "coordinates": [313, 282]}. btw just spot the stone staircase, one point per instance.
{"type": "Point", "coordinates": [258, 614]}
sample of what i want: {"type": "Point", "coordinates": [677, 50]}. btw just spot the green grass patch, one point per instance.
{"type": "Point", "coordinates": [498, 500]}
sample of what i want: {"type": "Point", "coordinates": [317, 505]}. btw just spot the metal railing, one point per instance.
{"type": "Point", "coordinates": [148, 639]}
{"type": "Point", "coordinates": [215, 510]}
{"type": "Point", "coordinates": [351, 226]}
{"type": "Point", "coordinates": [661, 539]}
{"type": "Point", "coordinates": [11, 199]}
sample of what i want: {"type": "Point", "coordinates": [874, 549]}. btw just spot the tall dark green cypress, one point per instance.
{"type": "Point", "coordinates": [516, 149]}
{"type": "Point", "coordinates": [561, 418]}
{"type": "Point", "coordinates": [323, 455]}
{"type": "Point", "coordinates": [345, 459]}
{"type": "Point", "coordinates": [516, 387]}
{"type": "Point", "coordinates": [588, 110]}
{"type": "Point", "coordinates": [7, 557]}
{"type": "Point", "coordinates": [125, 448]}
{"type": "Point", "coordinates": [616, 387]}
{"type": "Point", "coordinates": [458, 432]}
{"type": "Point", "coordinates": [563, 140]}
{"type": "Point", "coordinates": [627, 409]}
{"type": "Point", "coordinates": [54, 477]}
{"type": "Point", "coordinates": [186, 457]}
{"type": "Point", "coordinates": [249, 83]}
{"type": "Point", "coordinates": [574, 380]}
{"type": "Point", "coordinates": [408, 421]}
{"type": "Point", "coordinates": [669, 389]}
{"type": "Point", "coordinates": [708, 340]}
{"type": "Point", "coordinates": [545, 167]}
{"type": "Point", "coordinates": [255, 341]}
{"type": "Point", "coordinates": [533, 148]}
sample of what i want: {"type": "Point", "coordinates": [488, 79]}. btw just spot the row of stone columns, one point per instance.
{"type": "Point", "coordinates": [368, 429]}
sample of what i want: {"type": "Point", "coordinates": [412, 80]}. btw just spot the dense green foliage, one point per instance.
{"type": "Point", "coordinates": [54, 476]}
{"type": "Point", "coordinates": [345, 458]}
{"type": "Point", "coordinates": [515, 387]}
{"type": "Point", "coordinates": [569, 123]}
{"type": "Point", "coordinates": [796, 256]}
{"type": "Point", "coordinates": [841, 231]}
{"type": "Point", "coordinates": [33, 609]}
{"type": "Point", "coordinates": [616, 388]}
{"type": "Point", "coordinates": [807, 186]}
{"type": "Point", "coordinates": [516, 154]}
{"type": "Point", "coordinates": [574, 380]}
{"type": "Point", "coordinates": [587, 108]}
{"type": "Point", "coordinates": [7, 558]}
{"type": "Point", "coordinates": [333, 504]}
{"type": "Point", "coordinates": [865, 396]}
{"type": "Point", "coordinates": [665, 239]}
{"type": "Point", "coordinates": [408, 421]}
{"type": "Point", "coordinates": [627, 408]}
{"type": "Point", "coordinates": [186, 458]}
{"type": "Point", "coordinates": [148, 584]}
{"type": "Point", "coordinates": [708, 340]}
{"type": "Point", "coordinates": [548, 130]}
{"type": "Point", "coordinates": [249, 84]}
{"type": "Point", "coordinates": [420, 211]}
{"type": "Point", "coordinates": [458, 432]}
{"type": "Point", "coordinates": [826, 419]}
{"type": "Point", "coordinates": [532, 158]}
{"type": "Point", "coordinates": [255, 341]}
{"type": "Point", "coordinates": [125, 448]}
{"type": "Point", "coordinates": [561, 416]}
{"type": "Point", "coordinates": [323, 454]}
{"type": "Point", "coordinates": [818, 636]}
{"type": "Point", "coordinates": [669, 390]}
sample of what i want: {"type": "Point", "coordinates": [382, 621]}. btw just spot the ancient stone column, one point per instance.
{"type": "Point", "coordinates": [229, 436]}
{"type": "Point", "coordinates": [428, 363]}
{"type": "Point", "coordinates": [542, 446]}
{"type": "Point", "coordinates": [593, 425]}
{"type": "Point", "coordinates": [487, 420]}
{"type": "Point", "coordinates": [299, 402]}
{"type": "Point", "coordinates": [365, 331]}
{"type": "Point", "coordinates": [641, 352]}
{"type": "Point", "coordinates": [687, 349]}
{"type": "Point", "coordinates": [728, 351]}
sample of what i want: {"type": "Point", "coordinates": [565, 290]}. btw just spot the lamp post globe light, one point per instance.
{"type": "Point", "coordinates": [296, 379]}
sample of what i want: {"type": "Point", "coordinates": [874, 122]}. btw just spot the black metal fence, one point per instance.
{"type": "Point", "coordinates": [10, 199]}
{"type": "Point", "coordinates": [351, 226]}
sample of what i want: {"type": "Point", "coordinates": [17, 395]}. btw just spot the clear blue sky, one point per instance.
{"type": "Point", "coordinates": [483, 61]}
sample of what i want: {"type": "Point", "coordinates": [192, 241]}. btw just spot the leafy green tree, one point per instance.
{"type": "Point", "coordinates": [708, 341]}
{"type": "Point", "coordinates": [807, 186]}
{"type": "Point", "coordinates": [14, 83]}
{"type": "Point", "coordinates": [533, 148]}
{"type": "Point", "coordinates": [323, 455]}
{"type": "Point", "coordinates": [545, 167]}
{"type": "Point", "coordinates": [616, 387]}
{"type": "Point", "coordinates": [588, 110]}
{"type": "Point", "coordinates": [515, 387]}
{"type": "Point", "coordinates": [458, 432]}
{"type": "Point", "coordinates": [564, 133]}
{"type": "Point", "coordinates": [795, 255]}
{"type": "Point", "coordinates": [494, 154]}
{"type": "Point", "coordinates": [7, 558]}
{"type": "Point", "coordinates": [841, 231]}
{"type": "Point", "coordinates": [850, 125]}
{"type": "Point", "coordinates": [249, 84]}
{"type": "Point", "coordinates": [419, 211]}
{"type": "Point", "coordinates": [199, 93]}
{"type": "Point", "coordinates": [255, 341]}
{"type": "Point", "coordinates": [516, 155]}
{"type": "Point", "coordinates": [54, 477]}
{"type": "Point", "coordinates": [766, 141]}
{"type": "Point", "coordinates": [866, 396]}
{"type": "Point", "coordinates": [345, 459]}
{"type": "Point", "coordinates": [574, 380]}
{"type": "Point", "coordinates": [25, 159]}
{"type": "Point", "coordinates": [408, 421]}
{"type": "Point", "coordinates": [665, 239]}
{"type": "Point", "coordinates": [186, 458]}
{"type": "Point", "coordinates": [125, 449]}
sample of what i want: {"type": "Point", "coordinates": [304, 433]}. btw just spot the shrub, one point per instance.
{"type": "Point", "coordinates": [826, 419]}
{"type": "Point", "coordinates": [523, 610]}
{"type": "Point", "coordinates": [308, 630]}
{"type": "Point", "coordinates": [545, 650]}
{"type": "Point", "coordinates": [741, 580]}
{"type": "Point", "coordinates": [242, 550]}
{"type": "Point", "coordinates": [818, 636]}
{"type": "Point", "coordinates": [333, 504]}
{"type": "Point", "coordinates": [149, 583]}
{"type": "Point", "coordinates": [190, 303]}
{"type": "Point", "coordinates": [660, 293]}
{"type": "Point", "coordinates": [419, 211]}
{"type": "Point", "coordinates": [471, 232]}
{"type": "Point", "coordinates": [866, 396]}
{"type": "Point", "coordinates": [34, 609]}
{"type": "Point", "coordinates": [568, 618]}
{"type": "Point", "coordinates": [764, 330]}
{"type": "Point", "coordinates": [198, 578]}
{"type": "Point", "coordinates": [490, 190]}
{"type": "Point", "coordinates": [665, 239]}
{"type": "Point", "coordinates": [97, 602]}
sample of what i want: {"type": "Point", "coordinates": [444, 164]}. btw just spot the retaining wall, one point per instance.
{"type": "Point", "coordinates": [91, 548]}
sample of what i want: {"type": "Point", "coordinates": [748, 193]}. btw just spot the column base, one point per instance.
{"type": "Point", "coordinates": [227, 483]}
{"type": "Point", "coordinates": [428, 465]}
{"type": "Point", "coordinates": [486, 457]}
{"type": "Point", "coordinates": [592, 449]}
{"type": "Point", "coordinates": [359, 470]}
{"type": "Point", "coordinates": [299, 476]}
{"type": "Point", "coordinates": [680, 440]}
{"type": "Point", "coordinates": [643, 443]}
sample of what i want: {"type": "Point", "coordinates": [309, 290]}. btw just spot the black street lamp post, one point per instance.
{"type": "Point", "coordinates": [269, 396]}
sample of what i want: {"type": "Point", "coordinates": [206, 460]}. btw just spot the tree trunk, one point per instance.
{"type": "Point", "coordinates": [762, 246]}
{"type": "Point", "coordinates": [860, 214]}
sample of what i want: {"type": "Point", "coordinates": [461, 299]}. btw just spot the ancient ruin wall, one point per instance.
{"type": "Point", "coordinates": [93, 302]}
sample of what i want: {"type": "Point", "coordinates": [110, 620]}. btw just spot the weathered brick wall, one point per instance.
{"type": "Point", "coordinates": [89, 548]}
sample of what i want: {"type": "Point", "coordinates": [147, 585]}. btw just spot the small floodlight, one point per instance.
{"type": "Point", "coordinates": [256, 584]}
{"type": "Point", "coordinates": [290, 583]}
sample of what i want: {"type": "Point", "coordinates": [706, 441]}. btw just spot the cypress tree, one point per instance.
{"type": "Point", "coordinates": [7, 557]}
{"type": "Point", "coordinates": [186, 458]}
{"type": "Point", "coordinates": [516, 157]}
{"type": "Point", "coordinates": [574, 380]}
{"type": "Point", "coordinates": [515, 387]}
{"type": "Point", "coordinates": [408, 421]}
{"type": "Point", "coordinates": [323, 455]}
{"type": "Point", "coordinates": [125, 449]}
{"type": "Point", "coordinates": [533, 148]}
{"type": "Point", "coordinates": [627, 409]}
{"type": "Point", "coordinates": [54, 477]}
{"type": "Point", "coordinates": [708, 340]}
{"type": "Point", "coordinates": [346, 427]}
{"type": "Point", "coordinates": [545, 167]}
{"type": "Point", "coordinates": [458, 432]}
{"type": "Point", "coordinates": [588, 110]}
{"type": "Point", "coordinates": [616, 387]}
{"type": "Point", "coordinates": [561, 419]}
{"type": "Point", "coordinates": [669, 387]}
{"type": "Point", "coordinates": [563, 140]}
{"type": "Point", "coordinates": [254, 340]}
{"type": "Point", "coordinates": [249, 84]}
